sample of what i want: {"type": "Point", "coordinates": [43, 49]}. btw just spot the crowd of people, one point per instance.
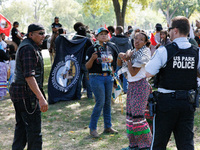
{"type": "Point", "coordinates": [108, 52]}
{"type": "Point", "coordinates": [7, 58]}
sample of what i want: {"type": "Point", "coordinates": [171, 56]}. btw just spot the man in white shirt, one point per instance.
{"type": "Point", "coordinates": [177, 65]}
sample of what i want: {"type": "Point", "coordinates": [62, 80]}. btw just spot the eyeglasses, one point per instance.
{"type": "Point", "coordinates": [40, 33]}
{"type": "Point", "coordinates": [170, 28]}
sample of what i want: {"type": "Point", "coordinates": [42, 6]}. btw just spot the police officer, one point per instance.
{"type": "Point", "coordinates": [177, 65]}
{"type": "Point", "coordinates": [26, 91]}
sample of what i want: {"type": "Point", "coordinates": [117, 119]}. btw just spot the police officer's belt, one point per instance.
{"type": "Point", "coordinates": [180, 94]}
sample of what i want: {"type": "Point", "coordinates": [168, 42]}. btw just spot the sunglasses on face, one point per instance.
{"type": "Point", "coordinates": [170, 28]}
{"type": "Point", "coordinates": [41, 33]}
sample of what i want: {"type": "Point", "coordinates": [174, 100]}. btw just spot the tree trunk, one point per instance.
{"type": "Point", "coordinates": [120, 13]}
{"type": "Point", "coordinates": [168, 18]}
{"type": "Point", "coordinates": [35, 12]}
{"type": "Point", "coordinates": [120, 20]}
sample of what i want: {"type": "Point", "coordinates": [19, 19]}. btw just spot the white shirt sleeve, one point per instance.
{"type": "Point", "coordinates": [157, 61]}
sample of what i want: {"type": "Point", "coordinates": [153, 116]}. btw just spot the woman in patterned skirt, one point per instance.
{"type": "Point", "coordinates": [138, 130]}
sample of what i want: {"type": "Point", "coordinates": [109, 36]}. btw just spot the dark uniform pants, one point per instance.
{"type": "Point", "coordinates": [28, 126]}
{"type": "Point", "coordinates": [173, 116]}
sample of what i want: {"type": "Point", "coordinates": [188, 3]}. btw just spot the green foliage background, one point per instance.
{"type": "Point", "coordinates": [93, 13]}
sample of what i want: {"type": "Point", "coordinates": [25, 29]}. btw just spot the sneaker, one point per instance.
{"type": "Point", "coordinates": [110, 130]}
{"type": "Point", "coordinates": [94, 133]}
{"type": "Point", "coordinates": [129, 148]}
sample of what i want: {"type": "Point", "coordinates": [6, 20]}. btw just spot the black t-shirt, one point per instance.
{"type": "Point", "coordinates": [56, 25]}
{"type": "Point", "coordinates": [98, 66]}
{"type": "Point", "coordinates": [14, 33]}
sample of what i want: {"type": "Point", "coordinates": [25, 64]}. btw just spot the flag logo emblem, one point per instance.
{"type": "Point", "coordinates": [66, 73]}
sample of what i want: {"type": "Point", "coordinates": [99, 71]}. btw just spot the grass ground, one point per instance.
{"type": "Point", "coordinates": [65, 125]}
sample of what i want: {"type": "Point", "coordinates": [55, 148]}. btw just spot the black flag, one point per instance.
{"type": "Point", "coordinates": [65, 72]}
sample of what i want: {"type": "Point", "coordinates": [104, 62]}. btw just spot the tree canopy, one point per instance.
{"type": "Point", "coordinates": [120, 7]}
{"type": "Point", "coordinates": [94, 13]}
{"type": "Point", "coordinates": [174, 8]}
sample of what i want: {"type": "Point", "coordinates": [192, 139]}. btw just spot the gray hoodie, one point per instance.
{"type": "Point", "coordinates": [122, 42]}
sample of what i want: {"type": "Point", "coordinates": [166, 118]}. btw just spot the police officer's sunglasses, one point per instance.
{"type": "Point", "coordinates": [170, 28]}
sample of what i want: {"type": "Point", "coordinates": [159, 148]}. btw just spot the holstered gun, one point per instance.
{"type": "Point", "coordinates": [197, 97]}
{"type": "Point", "coordinates": [152, 103]}
{"type": "Point", "coordinates": [194, 97]}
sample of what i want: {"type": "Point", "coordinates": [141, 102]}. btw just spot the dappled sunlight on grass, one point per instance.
{"type": "Point", "coordinates": [74, 106]}
{"type": "Point", "coordinates": [65, 125]}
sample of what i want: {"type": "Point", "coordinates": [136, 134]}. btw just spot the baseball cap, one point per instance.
{"type": "Point", "coordinates": [35, 27]}
{"type": "Point", "coordinates": [56, 17]}
{"type": "Point", "coordinates": [101, 30]}
{"type": "Point", "coordinates": [130, 31]}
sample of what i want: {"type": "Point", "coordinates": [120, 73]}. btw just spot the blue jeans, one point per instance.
{"type": "Point", "coordinates": [102, 88]}
{"type": "Point", "coordinates": [83, 76]}
{"type": "Point", "coordinates": [86, 84]}
{"type": "Point", "coordinates": [125, 84]}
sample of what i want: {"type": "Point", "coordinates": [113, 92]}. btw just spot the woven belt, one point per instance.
{"type": "Point", "coordinates": [100, 74]}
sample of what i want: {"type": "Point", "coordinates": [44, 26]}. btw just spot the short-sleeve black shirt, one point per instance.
{"type": "Point", "coordinates": [14, 33]}
{"type": "Point", "coordinates": [97, 67]}
{"type": "Point", "coordinates": [56, 25]}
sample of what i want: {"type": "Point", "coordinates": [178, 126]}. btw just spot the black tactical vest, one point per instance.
{"type": "Point", "coordinates": [180, 73]}
{"type": "Point", "coordinates": [39, 70]}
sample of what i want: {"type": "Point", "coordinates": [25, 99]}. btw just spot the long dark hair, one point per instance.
{"type": "Point", "coordinates": [146, 38]}
{"type": "Point", "coordinates": [166, 33]}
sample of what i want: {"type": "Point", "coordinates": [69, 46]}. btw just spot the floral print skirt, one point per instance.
{"type": "Point", "coordinates": [138, 130]}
